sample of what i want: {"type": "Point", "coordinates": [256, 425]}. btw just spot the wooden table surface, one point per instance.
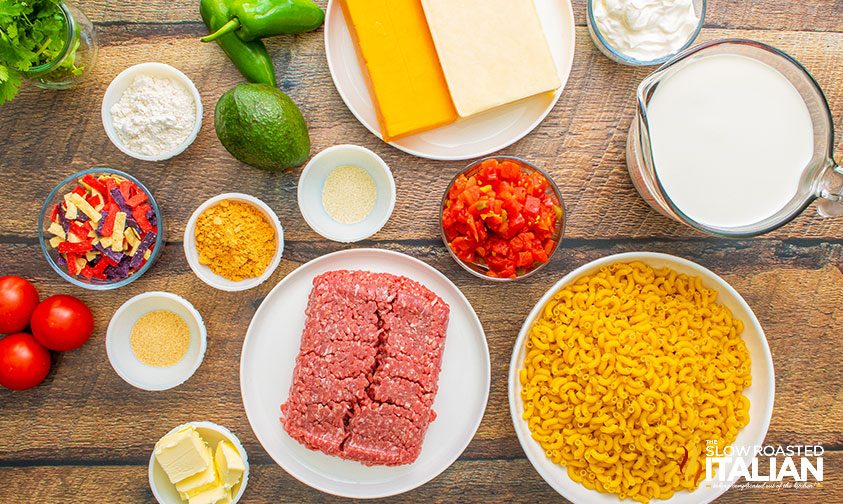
{"type": "Point", "coordinates": [85, 435]}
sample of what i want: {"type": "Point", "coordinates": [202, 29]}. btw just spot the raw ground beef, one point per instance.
{"type": "Point", "coordinates": [368, 367]}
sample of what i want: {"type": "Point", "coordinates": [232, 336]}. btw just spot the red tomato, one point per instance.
{"type": "Point", "coordinates": [17, 300]}
{"type": "Point", "coordinates": [62, 323]}
{"type": "Point", "coordinates": [24, 363]}
{"type": "Point", "coordinates": [502, 217]}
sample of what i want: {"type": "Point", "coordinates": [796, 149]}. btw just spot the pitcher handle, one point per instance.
{"type": "Point", "coordinates": [830, 191]}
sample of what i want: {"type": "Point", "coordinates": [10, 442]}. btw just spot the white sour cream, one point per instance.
{"type": "Point", "coordinates": [646, 29]}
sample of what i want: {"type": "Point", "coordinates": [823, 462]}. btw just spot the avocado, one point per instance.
{"type": "Point", "coordinates": [262, 127]}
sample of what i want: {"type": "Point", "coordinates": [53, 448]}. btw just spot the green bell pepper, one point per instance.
{"type": "Point", "coordinates": [254, 19]}
{"type": "Point", "coordinates": [250, 57]}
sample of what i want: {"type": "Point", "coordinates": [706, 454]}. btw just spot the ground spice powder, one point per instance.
{"type": "Point", "coordinates": [160, 338]}
{"type": "Point", "coordinates": [235, 240]}
{"type": "Point", "coordinates": [349, 194]}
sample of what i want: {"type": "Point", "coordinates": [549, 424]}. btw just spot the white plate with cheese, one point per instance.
{"type": "Point", "coordinates": [478, 130]}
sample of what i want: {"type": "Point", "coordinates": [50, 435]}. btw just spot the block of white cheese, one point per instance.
{"type": "Point", "coordinates": [492, 52]}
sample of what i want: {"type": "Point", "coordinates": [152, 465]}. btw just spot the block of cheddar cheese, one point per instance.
{"type": "Point", "coordinates": [405, 77]}
{"type": "Point", "coordinates": [493, 52]}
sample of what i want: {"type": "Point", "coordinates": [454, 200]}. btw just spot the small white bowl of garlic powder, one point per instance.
{"type": "Point", "coordinates": [152, 111]}
{"type": "Point", "coordinates": [346, 193]}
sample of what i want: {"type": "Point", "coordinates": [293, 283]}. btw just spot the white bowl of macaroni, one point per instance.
{"type": "Point", "coordinates": [607, 388]}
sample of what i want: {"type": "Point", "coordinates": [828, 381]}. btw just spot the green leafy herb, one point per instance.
{"type": "Point", "coordinates": [32, 33]}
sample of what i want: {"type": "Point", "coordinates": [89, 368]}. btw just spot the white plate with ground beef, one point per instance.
{"type": "Point", "coordinates": [380, 416]}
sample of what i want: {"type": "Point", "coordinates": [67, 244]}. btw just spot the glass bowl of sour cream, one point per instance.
{"type": "Point", "coordinates": [644, 32]}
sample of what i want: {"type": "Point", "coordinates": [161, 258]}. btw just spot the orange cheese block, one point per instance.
{"type": "Point", "coordinates": [405, 78]}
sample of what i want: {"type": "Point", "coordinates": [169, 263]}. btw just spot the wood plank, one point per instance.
{"type": "Point", "coordinates": [465, 481]}
{"type": "Point", "coordinates": [808, 15]}
{"type": "Point", "coordinates": [581, 143]}
{"type": "Point", "coordinates": [88, 413]}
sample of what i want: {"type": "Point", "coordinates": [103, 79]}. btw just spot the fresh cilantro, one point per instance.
{"type": "Point", "coordinates": [32, 33]}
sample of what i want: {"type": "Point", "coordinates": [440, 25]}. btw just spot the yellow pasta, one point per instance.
{"type": "Point", "coordinates": [629, 372]}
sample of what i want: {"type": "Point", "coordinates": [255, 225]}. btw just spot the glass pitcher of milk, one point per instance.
{"type": "Point", "coordinates": [734, 138]}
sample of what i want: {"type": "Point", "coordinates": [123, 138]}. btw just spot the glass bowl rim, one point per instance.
{"type": "Point", "coordinates": [622, 58]}
{"type": "Point", "coordinates": [159, 240]}
{"type": "Point", "coordinates": [560, 225]}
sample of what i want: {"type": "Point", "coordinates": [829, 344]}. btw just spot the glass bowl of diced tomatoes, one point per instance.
{"type": "Point", "coordinates": [101, 229]}
{"type": "Point", "coordinates": [502, 218]}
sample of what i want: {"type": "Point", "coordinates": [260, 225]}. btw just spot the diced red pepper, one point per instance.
{"type": "Point", "coordinates": [139, 213]}
{"type": "Point", "coordinates": [94, 183]}
{"type": "Point", "coordinates": [54, 213]}
{"type": "Point", "coordinates": [80, 191]}
{"type": "Point", "coordinates": [137, 199]}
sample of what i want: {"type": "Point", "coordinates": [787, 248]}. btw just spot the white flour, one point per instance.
{"type": "Point", "coordinates": [154, 116]}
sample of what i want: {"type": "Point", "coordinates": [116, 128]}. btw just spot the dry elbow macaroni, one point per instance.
{"type": "Point", "coordinates": [628, 373]}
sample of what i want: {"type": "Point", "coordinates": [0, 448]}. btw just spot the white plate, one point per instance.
{"type": "Point", "coordinates": [468, 138]}
{"type": "Point", "coordinates": [269, 357]}
{"type": "Point", "coordinates": [760, 394]}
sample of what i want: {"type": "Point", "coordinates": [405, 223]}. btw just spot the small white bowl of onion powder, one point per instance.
{"type": "Point", "coordinates": [156, 341]}
{"type": "Point", "coordinates": [346, 193]}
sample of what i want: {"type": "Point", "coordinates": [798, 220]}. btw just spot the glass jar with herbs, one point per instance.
{"type": "Point", "coordinates": [50, 43]}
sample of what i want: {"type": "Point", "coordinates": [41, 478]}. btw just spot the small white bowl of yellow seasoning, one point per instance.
{"type": "Point", "coordinates": [233, 242]}
{"type": "Point", "coordinates": [198, 462]}
{"type": "Point", "coordinates": [156, 341]}
{"type": "Point", "coordinates": [346, 193]}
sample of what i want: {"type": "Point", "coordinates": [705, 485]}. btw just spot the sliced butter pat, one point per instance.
{"type": "Point", "coordinates": [230, 466]}
{"type": "Point", "coordinates": [493, 52]}
{"type": "Point", "coordinates": [405, 78]}
{"type": "Point", "coordinates": [183, 454]}
{"type": "Point", "coordinates": [211, 495]}
{"type": "Point", "coordinates": [203, 479]}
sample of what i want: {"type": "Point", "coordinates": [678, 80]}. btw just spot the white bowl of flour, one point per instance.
{"type": "Point", "coordinates": [152, 111]}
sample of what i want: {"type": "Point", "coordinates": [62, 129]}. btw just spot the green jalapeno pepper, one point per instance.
{"type": "Point", "coordinates": [250, 57]}
{"type": "Point", "coordinates": [254, 19]}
